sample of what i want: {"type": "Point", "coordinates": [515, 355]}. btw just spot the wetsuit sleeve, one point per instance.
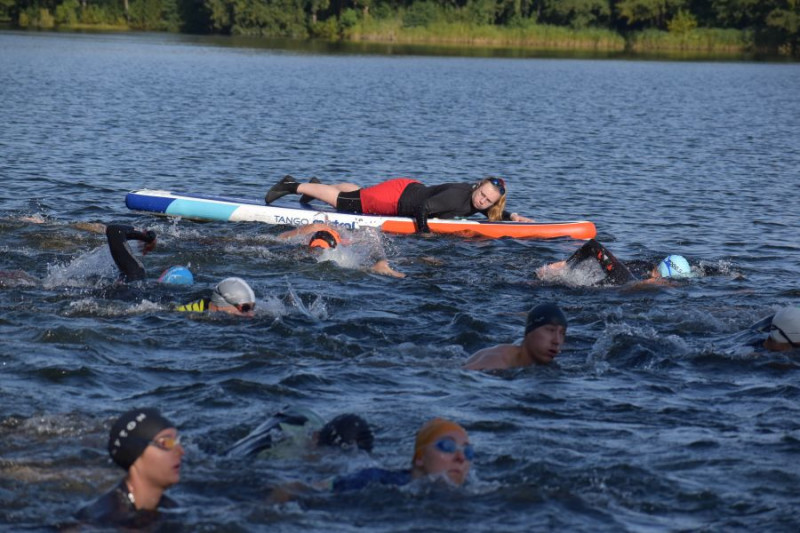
{"type": "Point", "coordinates": [365, 477]}
{"type": "Point", "coordinates": [118, 235]}
{"type": "Point", "coordinates": [615, 270]}
{"type": "Point", "coordinates": [446, 202]}
{"type": "Point", "coordinates": [421, 219]}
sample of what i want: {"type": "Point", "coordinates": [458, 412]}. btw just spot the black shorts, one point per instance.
{"type": "Point", "coordinates": [349, 202]}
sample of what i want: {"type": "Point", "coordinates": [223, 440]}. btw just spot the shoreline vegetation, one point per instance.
{"type": "Point", "coordinates": [683, 28]}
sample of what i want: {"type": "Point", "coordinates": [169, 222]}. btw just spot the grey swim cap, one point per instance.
{"type": "Point", "coordinates": [132, 432]}
{"type": "Point", "coordinates": [785, 327]}
{"type": "Point", "coordinates": [232, 291]}
{"type": "Point", "coordinates": [543, 314]}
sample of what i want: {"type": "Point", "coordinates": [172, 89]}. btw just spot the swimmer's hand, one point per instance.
{"type": "Point", "coordinates": [150, 242]}
{"type": "Point", "coordinates": [516, 217]}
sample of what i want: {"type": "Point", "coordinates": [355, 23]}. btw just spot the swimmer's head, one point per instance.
{"type": "Point", "coordinates": [442, 449]}
{"type": "Point", "coordinates": [430, 432]}
{"type": "Point", "coordinates": [347, 431]}
{"type": "Point", "coordinates": [674, 266]}
{"type": "Point", "coordinates": [325, 239]}
{"type": "Point", "coordinates": [233, 296]}
{"type": "Point", "coordinates": [543, 314]}
{"type": "Point", "coordinates": [133, 432]}
{"type": "Point", "coordinates": [232, 291]}
{"type": "Point", "coordinates": [177, 275]}
{"type": "Point", "coordinates": [785, 327]}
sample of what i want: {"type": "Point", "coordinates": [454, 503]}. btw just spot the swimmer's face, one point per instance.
{"type": "Point", "coordinates": [485, 196]}
{"type": "Point", "coordinates": [544, 343]}
{"type": "Point", "coordinates": [246, 310]}
{"type": "Point", "coordinates": [438, 459]}
{"type": "Point", "coordinates": [160, 463]}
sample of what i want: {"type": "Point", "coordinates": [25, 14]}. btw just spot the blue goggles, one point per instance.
{"type": "Point", "coordinates": [500, 184]}
{"type": "Point", "coordinates": [448, 445]}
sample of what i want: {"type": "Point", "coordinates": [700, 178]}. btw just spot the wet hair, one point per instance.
{"type": "Point", "coordinates": [346, 431]}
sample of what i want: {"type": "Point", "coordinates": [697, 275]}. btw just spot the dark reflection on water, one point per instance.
{"type": "Point", "coordinates": [655, 417]}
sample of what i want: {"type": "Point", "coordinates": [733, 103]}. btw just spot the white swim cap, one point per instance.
{"type": "Point", "coordinates": [232, 291]}
{"type": "Point", "coordinates": [674, 266]}
{"type": "Point", "coordinates": [785, 326]}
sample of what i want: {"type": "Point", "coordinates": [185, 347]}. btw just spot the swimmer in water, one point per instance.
{"type": "Point", "coordinates": [231, 295]}
{"type": "Point", "coordinates": [325, 237]}
{"type": "Point", "coordinates": [294, 431]}
{"type": "Point", "coordinates": [442, 452]}
{"type": "Point", "coordinates": [612, 271]}
{"type": "Point", "coordinates": [545, 333]}
{"type": "Point", "coordinates": [408, 198]}
{"type": "Point", "coordinates": [784, 330]}
{"type": "Point", "coordinates": [147, 446]}
{"type": "Point", "coordinates": [130, 267]}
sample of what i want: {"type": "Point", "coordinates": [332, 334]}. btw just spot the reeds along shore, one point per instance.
{"type": "Point", "coordinates": [442, 27]}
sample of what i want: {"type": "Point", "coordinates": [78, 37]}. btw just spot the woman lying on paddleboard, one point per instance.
{"type": "Point", "coordinates": [407, 197]}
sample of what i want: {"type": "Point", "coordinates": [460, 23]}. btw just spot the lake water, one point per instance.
{"type": "Point", "coordinates": [654, 417]}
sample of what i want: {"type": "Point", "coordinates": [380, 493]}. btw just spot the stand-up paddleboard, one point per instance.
{"type": "Point", "coordinates": [200, 207]}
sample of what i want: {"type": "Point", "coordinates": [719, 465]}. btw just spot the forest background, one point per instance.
{"type": "Point", "coordinates": [768, 27]}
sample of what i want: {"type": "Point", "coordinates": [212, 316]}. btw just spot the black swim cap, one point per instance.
{"type": "Point", "coordinates": [132, 432]}
{"type": "Point", "coordinates": [543, 314]}
{"type": "Point", "coordinates": [346, 430]}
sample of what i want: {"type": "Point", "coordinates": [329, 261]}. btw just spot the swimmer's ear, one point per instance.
{"type": "Point", "coordinates": [418, 462]}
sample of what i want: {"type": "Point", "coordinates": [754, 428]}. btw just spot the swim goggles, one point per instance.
{"type": "Point", "coordinates": [448, 445]}
{"type": "Point", "coordinates": [245, 308]}
{"type": "Point", "coordinates": [500, 184]}
{"type": "Point", "coordinates": [166, 443]}
{"type": "Point", "coordinates": [773, 327]}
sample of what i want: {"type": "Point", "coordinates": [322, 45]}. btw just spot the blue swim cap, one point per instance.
{"type": "Point", "coordinates": [177, 275]}
{"type": "Point", "coordinates": [674, 266]}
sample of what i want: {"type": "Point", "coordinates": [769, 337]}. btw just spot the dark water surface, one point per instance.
{"type": "Point", "coordinates": [654, 417]}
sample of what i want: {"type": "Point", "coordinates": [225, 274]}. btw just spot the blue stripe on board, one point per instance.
{"type": "Point", "coordinates": [201, 209]}
{"type": "Point", "coordinates": [141, 202]}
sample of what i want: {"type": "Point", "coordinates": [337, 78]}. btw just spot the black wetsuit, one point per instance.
{"type": "Point", "coordinates": [118, 235]}
{"type": "Point", "coordinates": [616, 272]}
{"type": "Point", "coordinates": [115, 508]}
{"type": "Point", "coordinates": [448, 200]}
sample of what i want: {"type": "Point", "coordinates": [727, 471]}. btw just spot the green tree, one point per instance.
{"type": "Point", "coordinates": [649, 13]}
{"type": "Point", "coordinates": [578, 14]}
{"type": "Point", "coordinates": [683, 22]}
{"type": "Point", "coordinates": [785, 23]}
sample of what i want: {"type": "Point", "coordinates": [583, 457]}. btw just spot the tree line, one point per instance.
{"type": "Point", "coordinates": [770, 26]}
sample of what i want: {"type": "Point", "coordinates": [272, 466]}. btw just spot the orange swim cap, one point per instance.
{"type": "Point", "coordinates": [328, 238]}
{"type": "Point", "coordinates": [431, 431]}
